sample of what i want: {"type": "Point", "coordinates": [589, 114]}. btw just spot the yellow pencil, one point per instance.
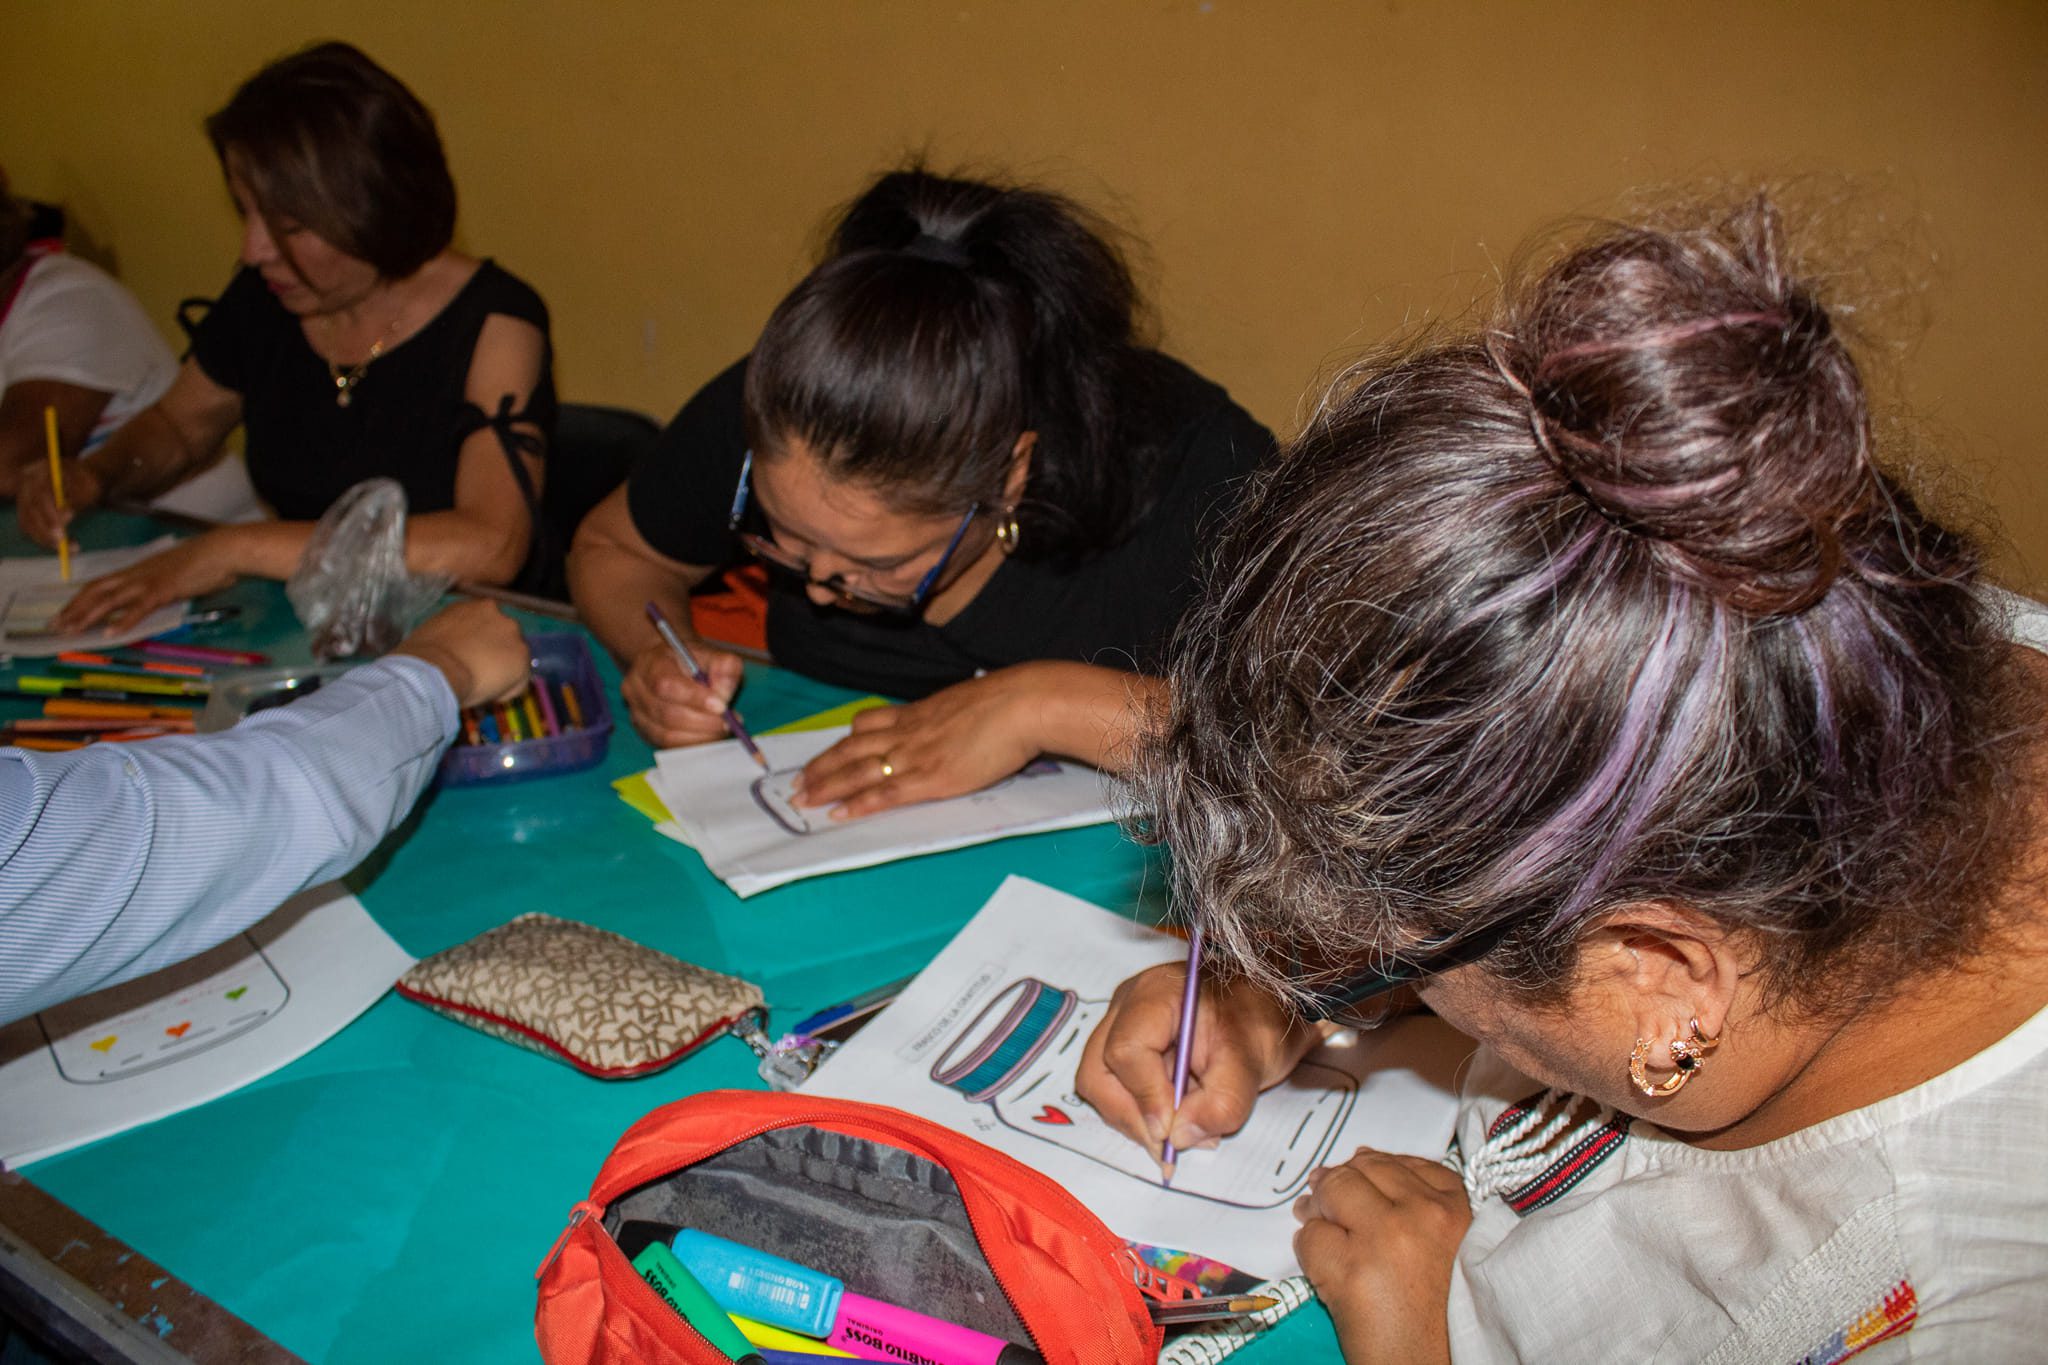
{"type": "Point", "coordinates": [57, 487]}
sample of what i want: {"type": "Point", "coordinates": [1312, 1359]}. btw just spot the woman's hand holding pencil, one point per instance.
{"type": "Point", "coordinates": [1244, 1042]}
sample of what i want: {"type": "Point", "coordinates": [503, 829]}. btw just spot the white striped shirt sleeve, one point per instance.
{"type": "Point", "coordinates": [118, 859]}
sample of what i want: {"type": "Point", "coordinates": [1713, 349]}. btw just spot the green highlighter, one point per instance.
{"type": "Point", "coordinates": [679, 1290]}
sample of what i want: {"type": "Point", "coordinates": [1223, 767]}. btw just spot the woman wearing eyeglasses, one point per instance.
{"type": "Point", "coordinates": [1588, 675]}
{"type": "Point", "coordinates": [972, 485]}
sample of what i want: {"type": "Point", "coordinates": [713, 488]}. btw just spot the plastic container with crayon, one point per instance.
{"type": "Point", "coordinates": [561, 724]}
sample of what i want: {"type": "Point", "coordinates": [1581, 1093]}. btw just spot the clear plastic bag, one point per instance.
{"type": "Point", "coordinates": [352, 590]}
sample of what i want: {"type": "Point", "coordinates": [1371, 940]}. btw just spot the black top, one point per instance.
{"type": "Point", "coordinates": [407, 416]}
{"type": "Point", "coordinates": [1113, 608]}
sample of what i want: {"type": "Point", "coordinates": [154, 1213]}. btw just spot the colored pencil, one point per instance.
{"type": "Point", "coordinates": [37, 688]}
{"type": "Point", "coordinates": [57, 488]}
{"type": "Point", "coordinates": [690, 665]}
{"type": "Point", "coordinates": [547, 705]}
{"type": "Point", "coordinates": [112, 710]}
{"type": "Point", "coordinates": [74, 658]}
{"type": "Point", "coordinates": [48, 746]}
{"type": "Point", "coordinates": [1184, 1049]}
{"type": "Point", "coordinates": [129, 682]}
{"type": "Point", "coordinates": [205, 654]}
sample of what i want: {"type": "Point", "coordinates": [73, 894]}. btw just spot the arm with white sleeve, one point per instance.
{"type": "Point", "coordinates": [116, 860]}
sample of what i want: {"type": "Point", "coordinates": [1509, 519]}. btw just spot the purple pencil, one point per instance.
{"type": "Point", "coordinates": [547, 705]}
{"type": "Point", "coordinates": [1185, 1048]}
{"type": "Point", "coordinates": [696, 670]}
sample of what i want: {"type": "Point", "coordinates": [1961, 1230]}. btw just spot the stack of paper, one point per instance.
{"type": "Point", "coordinates": [31, 593]}
{"type": "Point", "coordinates": [754, 837]}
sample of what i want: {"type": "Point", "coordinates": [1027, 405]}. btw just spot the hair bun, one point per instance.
{"type": "Point", "coordinates": [1696, 397]}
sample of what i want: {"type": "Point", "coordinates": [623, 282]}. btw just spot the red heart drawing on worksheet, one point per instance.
{"type": "Point", "coordinates": [178, 1030]}
{"type": "Point", "coordinates": [1048, 1114]}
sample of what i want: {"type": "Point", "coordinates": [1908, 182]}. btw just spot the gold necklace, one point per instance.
{"type": "Point", "coordinates": [346, 379]}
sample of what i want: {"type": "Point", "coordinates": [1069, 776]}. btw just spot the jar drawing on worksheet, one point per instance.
{"type": "Point", "coordinates": [775, 794]}
{"type": "Point", "coordinates": [1018, 1056]}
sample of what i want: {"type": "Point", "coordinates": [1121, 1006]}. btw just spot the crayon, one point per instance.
{"type": "Point", "coordinates": [530, 713]}
{"type": "Point", "coordinates": [48, 746]}
{"type": "Point", "coordinates": [489, 726]}
{"type": "Point", "coordinates": [570, 705]}
{"type": "Point", "coordinates": [470, 734]}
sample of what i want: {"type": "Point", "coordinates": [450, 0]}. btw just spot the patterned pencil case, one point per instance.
{"type": "Point", "coordinates": [608, 1006]}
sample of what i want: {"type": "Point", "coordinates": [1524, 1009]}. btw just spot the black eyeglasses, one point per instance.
{"type": "Point", "coordinates": [765, 549]}
{"type": "Point", "coordinates": [1340, 1005]}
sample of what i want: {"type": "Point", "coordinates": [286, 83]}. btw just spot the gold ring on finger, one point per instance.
{"type": "Point", "coordinates": [888, 768]}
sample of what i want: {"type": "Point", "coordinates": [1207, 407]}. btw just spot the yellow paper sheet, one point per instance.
{"type": "Point", "coordinates": [633, 789]}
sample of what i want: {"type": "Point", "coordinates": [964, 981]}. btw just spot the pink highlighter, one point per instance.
{"type": "Point", "coordinates": [871, 1326]}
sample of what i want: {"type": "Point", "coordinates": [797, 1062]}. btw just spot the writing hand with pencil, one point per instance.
{"type": "Point", "coordinates": [669, 707]}
{"type": "Point", "coordinates": [1245, 1042]}
{"type": "Point", "coordinates": [43, 519]}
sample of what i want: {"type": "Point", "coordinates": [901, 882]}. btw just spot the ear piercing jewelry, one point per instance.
{"type": "Point", "coordinates": [1688, 1055]}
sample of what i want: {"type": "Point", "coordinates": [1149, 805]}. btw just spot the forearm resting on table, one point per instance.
{"type": "Point", "coordinates": [1090, 713]}
{"type": "Point", "coordinates": [452, 543]}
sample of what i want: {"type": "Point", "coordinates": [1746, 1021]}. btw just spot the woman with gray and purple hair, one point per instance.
{"type": "Point", "coordinates": [1588, 676]}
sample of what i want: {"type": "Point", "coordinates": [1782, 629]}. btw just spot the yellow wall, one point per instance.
{"type": "Point", "coordinates": [1308, 175]}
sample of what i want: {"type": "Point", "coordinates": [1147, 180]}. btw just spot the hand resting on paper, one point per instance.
{"type": "Point", "coordinates": [191, 568]}
{"type": "Point", "coordinates": [1379, 1235]}
{"type": "Point", "coordinates": [670, 707]}
{"type": "Point", "coordinates": [978, 732]}
{"type": "Point", "coordinates": [958, 740]}
{"type": "Point", "coordinates": [1245, 1043]}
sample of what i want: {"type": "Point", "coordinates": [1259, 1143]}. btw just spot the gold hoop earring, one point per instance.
{"type": "Point", "coordinates": [1009, 533]}
{"type": "Point", "coordinates": [1688, 1055]}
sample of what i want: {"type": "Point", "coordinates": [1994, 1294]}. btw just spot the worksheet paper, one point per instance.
{"type": "Point", "coordinates": [754, 837]}
{"type": "Point", "coordinates": [120, 1057]}
{"type": "Point", "coordinates": [31, 592]}
{"type": "Point", "coordinates": [987, 1038]}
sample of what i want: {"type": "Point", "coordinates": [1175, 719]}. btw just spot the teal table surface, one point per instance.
{"type": "Point", "coordinates": [389, 1196]}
